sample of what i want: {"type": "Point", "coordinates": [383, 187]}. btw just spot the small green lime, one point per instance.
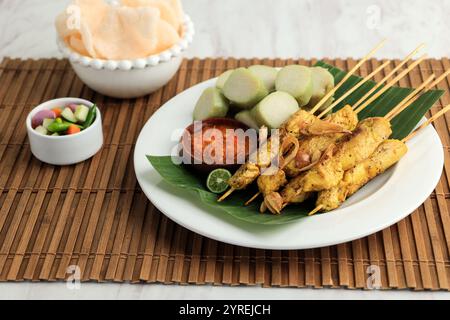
{"type": "Point", "coordinates": [217, 180]}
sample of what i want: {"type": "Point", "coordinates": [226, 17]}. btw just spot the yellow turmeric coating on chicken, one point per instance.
{"type": "Point", "coordinates": [248, 173]}
{"type": "Point", "coordinates": [345, 117]}
{"type": "Point", "coordinates": [291, 191]}
{"type": "Point", "coordinates": [352, 150]}
{"type": "Point", "coordinates": [245, 175]}
{"type": "Point", "coordinates": [357, 147]}
{"type": "Point", "coordinates": [270, 182]}
{"type": "Point", "coordinates": [312, 147]}
{"type": "Point", "coordinates": [385, 156]}
{"type": "Point", "coordinates": [329, 171]}
{"type": "Point", "coordinates": [270, 155]}
{"type": "Point", "coordinates": [303, 123]}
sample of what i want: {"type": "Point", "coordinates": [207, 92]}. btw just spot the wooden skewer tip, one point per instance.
{"type": "Point", "coordinates": [409, 99]}
{"type": "Point", "coordinates": [317, 209]}
{"type": "Point", "coordinates": [428, 122]}
{"type": "Point", "coordinates": [390, 84]}
{"type": "Point", "coordinates": [256, 195]}
{"type": "Point", "coordinates": [354, 88]}
{"type": "Point", "coordinates": [226, 195]}
{"type": "Point", "coordinates": [388, 76]}
{"type": "Point", "coordinates": [348, 75]}
{"type": "Point", "coordinates": [439, 79]}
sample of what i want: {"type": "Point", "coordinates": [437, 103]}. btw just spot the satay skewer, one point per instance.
{"type": "Point", "coordinates": [399, 108]}
{"type": "Point", "coordinates": [301, 189]}
{"type": "Point", "coordinates": [345, 117]}
{"type": "Point", "coordinates": [355, 186]}
{"type": "Point", "coordinates": [289, 144]}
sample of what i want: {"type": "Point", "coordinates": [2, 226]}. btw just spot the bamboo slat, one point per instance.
{"type": "Point", "coordinates": [94, 215]}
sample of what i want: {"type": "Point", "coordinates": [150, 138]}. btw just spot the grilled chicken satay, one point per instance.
{"type": "Point", "coordinates": [385, 156]}
{"type": "Point", "coordinates": [274, 200]}
{"type": "Point", "coordinates": [369, 134]}
{"type": "Point", "coordinates": [251, 170]}
{"type": "Point", "coordinates": [304, 123]}
{"type": "Point", "coordinates": [269, 184]}
{"type": "Point", "coordinates": [271, 181]}
{"type": "Point", "coordinates": [312, 148]}
{"type": "Point", "coordinates": [297, 125]}
{"type": "Point", "coordinates": [310, 151]}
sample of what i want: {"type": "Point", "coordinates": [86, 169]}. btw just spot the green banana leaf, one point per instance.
{"type": "Point", "coordinates": [180, 177]}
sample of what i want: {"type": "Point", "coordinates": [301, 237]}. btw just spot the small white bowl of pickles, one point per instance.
{"type": "Point", "coordinates": [65, 131]}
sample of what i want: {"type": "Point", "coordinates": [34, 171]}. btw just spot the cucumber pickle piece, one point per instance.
{"type": "Point", "coordinates": [41, 130]}
{"type": "Point", "coordinates": [68, 115]}
{"type": "Point", "coordinates": [81, 113]}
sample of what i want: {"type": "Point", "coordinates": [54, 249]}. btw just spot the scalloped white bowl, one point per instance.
{"type": "Point", "coordinates": [130, 78]}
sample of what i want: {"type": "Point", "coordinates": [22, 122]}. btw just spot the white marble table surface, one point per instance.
{"type": "Point", "coordinates": [250, 28]}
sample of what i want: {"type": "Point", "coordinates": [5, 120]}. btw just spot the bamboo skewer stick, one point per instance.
{"type": "Point", "coordinates": [438, 80]}
{"type": "Point", "coordinates": [347, 76]}
{"type": "Point", "coordinates": [317, 209]}
{"type": "Point", "coordinates": [353, 89]}
{"type": "Point", "coordinates": [390, 84]}
{"type": "Point", "coordinates": [256, 195]}
{"type": "Point", "coordinates": [387, 77]}
{"type": "Point", "coordinates": [430, 86]}
{"type": "Point", "coordinates": [226, 194]}
{"type": "Point", "coordinates": [416, 97]}
{"type": "Point", "coordinates": [426, 123]}
{"type": "Point", "coordinates": [410, 99]}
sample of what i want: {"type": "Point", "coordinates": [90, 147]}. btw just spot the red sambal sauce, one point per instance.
{"type": "Point", "coordinates": [219, 144]}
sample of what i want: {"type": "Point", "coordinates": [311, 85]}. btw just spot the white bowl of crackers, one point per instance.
{"type": "Point", "coordinates": [127, 49]}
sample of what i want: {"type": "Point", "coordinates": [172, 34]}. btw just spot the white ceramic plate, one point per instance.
{"type": "Point", "coordinates": [383, 202]}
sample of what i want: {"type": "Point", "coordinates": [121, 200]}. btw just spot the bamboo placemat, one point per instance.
{"type": "Point", "coordinates": [94, 215]}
